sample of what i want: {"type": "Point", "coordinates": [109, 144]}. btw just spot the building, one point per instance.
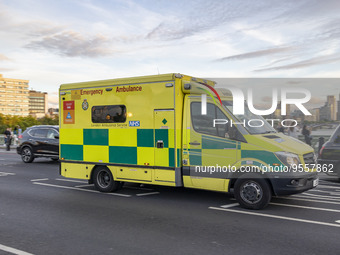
{"type": "Point", "coordinates": [331, 101]}
{"type": "Point", "coordinates": [53, 112]}
{"type": "Point", "coordinates": [325, 113]}
{"type": "Point", "coordinates": [328, 112]}
{"type": "Point", "coordinates": [38, 105]}
{"type": "Point", "coordinates": [13, 96]}
{"type": "Point", "coordinates": [315, 115]}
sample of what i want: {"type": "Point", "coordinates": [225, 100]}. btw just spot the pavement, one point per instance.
{"type": "Point", "coordinates": [44, 213]}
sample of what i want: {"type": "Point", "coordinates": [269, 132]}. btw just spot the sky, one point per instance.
{"type": "Point", "coordinates": [54, 42]}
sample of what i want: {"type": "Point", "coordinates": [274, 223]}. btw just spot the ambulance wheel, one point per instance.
{"type": "Point", "coordinates": [252, 193]}
{"type": "Point", "coordinates": [103, 180]}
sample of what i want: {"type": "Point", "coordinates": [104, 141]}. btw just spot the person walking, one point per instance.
{"type": "Point", "coordinates": [8, 139]}
{"type": "Point", "coordinates": [307, 134]}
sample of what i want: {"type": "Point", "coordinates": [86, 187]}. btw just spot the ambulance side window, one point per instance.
{"type": "Point", "coordinates": [109, 114]}
{"type": "Point", "coordinates": [205, 123]}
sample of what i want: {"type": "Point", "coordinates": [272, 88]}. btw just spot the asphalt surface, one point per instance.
{"type": "Point", "coordinates": [44, 213]}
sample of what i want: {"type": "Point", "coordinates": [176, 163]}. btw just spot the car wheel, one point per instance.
{"type": "Point", "coordinates": [252, 193]}
{"type": "Point", "coordinates": [27, 155]}
{"type": "Point", "coordinates": [103, 180]}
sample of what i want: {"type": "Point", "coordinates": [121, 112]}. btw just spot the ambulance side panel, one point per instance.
{"type": "Point", "coordinates": [143, 147]}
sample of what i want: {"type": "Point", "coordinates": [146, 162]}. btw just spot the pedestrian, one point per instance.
{"type": "Point", "coordinates": [292, 131]}
{"type": "Point", "coordinates": [19, 132]}
{"type": "Point", "coordinates": [8, 139]}
{"type": "Point", "coordinates": [280, 128]}
{"type": "Point", "coordinates": [307, 134]}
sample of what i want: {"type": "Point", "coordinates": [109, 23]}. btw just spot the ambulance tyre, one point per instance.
{"type": "Point", "coordinates": [252, 193]}
{"type": "Point", "coordinates": [103, 180]}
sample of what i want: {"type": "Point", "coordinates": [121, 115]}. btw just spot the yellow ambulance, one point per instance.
{"type": "Point", "coordinates": [156, 130]}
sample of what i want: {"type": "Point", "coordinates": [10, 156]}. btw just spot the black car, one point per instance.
{"type": "Point", "coordinates": [39, 141]}
{"type": "Point", "coordinates": [330, 153]}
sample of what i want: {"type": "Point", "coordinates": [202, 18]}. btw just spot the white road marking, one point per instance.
{"type": "Point", "coordinates": [5, 174]}
{"type": "Point", "coordinates": [14, 251]}
{"type": "Point", "coordinates": [307, 207]}
{"type": "Point", "coordinates": [86, 190]}
{"type": "Point", "coordinates": [36, 180]}
{"type": "Point", "coordinates": [147, 194]}
{"type": "Point", "coordinates": [321, 196]}
{"type": "Point", "coordinates": [326, 182]}
{"type": "Point", "coordinates": [310, 200]}
{"type": "Point", "coordinates": [67, 180]}
{"type": "Point", "coordinates": [326, 187]}
{"type": "Point", "coordinates": [316, 197]}
{"type": "Point", "coordinates": [231, 205]}
{"type": "Point", "coordinates": [337, 221]}
{"type": "Point", "coordinates": [85, 185]}
{"type": "Point", "coordinates": [327, 192]}
{"type": "Point", "coordinates": [277, 217]}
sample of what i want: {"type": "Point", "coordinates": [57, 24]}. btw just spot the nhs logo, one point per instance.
{"type": "Point", "coordinates": [134, 123]}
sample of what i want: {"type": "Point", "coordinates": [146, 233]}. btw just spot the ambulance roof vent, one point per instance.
{"type": "Point", "coordinates": [178, 75]}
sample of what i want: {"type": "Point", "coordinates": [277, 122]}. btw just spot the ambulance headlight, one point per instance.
{"type": "Point", "coordinates": [288, 158]}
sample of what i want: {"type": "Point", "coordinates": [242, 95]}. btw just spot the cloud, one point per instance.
{"type": "Point", "coordinates": [53, 100]}
{"type": "Point", "coordinates": [6, 69]}
{"type": "Point", "coordinates": [74, 44]}
{"type": "Point", "coordinates": [260, 53]}
{"type": "Point", "coordinates": [3, 58]}
{"type": "Point", "coordinates": [305, 63]}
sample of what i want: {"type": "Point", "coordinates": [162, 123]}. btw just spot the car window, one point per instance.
{"type": "Point", "coordinates": [52, 133]}
{"type": "Point", "coordinates": [31, 132]}
{"type": "Point", "coordinates": [40, 133]}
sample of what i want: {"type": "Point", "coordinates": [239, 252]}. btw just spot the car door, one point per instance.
{"type": "Point", "coordinates": [39, 140]}
{"type": "Point", "coordinates": [52, 142]}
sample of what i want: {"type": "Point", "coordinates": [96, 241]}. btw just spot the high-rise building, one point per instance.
{"type": "Point", "coordinates": [331, 101]}
{"type": "Point", "coordinates": [37, 103]}
{"type": "Point", "coordinates": [325, 113]}
{"type": "Point", "coordinates": [13, 96]}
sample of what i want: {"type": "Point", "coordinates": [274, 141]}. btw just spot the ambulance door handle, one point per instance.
{"type": "Point", "coordinates": [195, 143]}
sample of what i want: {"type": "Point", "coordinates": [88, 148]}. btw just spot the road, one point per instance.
{"type": "Point", "coordinates": [44, 213]}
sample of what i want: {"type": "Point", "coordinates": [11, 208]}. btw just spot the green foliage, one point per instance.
{"type": "Point", "coordinates": [24, 122]}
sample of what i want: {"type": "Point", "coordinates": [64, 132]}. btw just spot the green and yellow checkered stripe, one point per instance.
{"type": "Point", "coordinates": [118, 146]}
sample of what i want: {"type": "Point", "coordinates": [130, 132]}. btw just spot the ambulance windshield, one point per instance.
{"type": "Point", "coordinates": [254, 124]}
